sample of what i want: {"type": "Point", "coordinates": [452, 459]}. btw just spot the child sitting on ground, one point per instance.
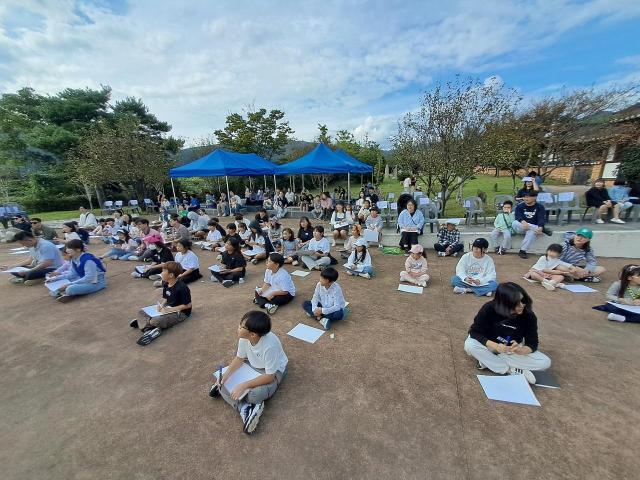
{"type": "Point", "coordinates": [261, 349]}
{"type": "Point", "coordinates": [364, 211]}
{"type": "Point", "coordinates": [289, 247]}
{"type": "Point", "coordinates": [258, 243]}
{"type": "Point", "coordinates": [275, 232]}
{"type": "Point", "coordinates": [278, 288]}
{"type": "Point", "coordinates": [350, 244]}
{"type": "Point", "coordinates": [123, 247]}
{"type": "Point", "coordinates": [503, 226]}
{"type": "Point", "coordinates": [244, 233]}
{"type": "Point", "coordinates": [549, 269]}
{"type": "Point", "coordinates": [327, 304]}
{"type": "Point", "coordinates": [415, 267]}
{"type": "Point", "coordinates": [188, 261]}
{"type": "Point", "coordinates": [316, 255]}
{"type": "Point", "coordinates": [448, 240]}
{"type": "Point", "coordinates": [86, 275]}
{"type": "Point", "coordinates": [577, 251]}
{"type": "Point", "coordinates": [374, 223]}
{"type": "Point", "coordinates": [214, 237]}
{"type": "Point", "coordinates": [234, 265]}
{"type": "Point", "coordinates": [625, 291]}
{"type": "Point", "coordinates": [174, 305]}
{"type": "Point", "coordinates": [359, 262]}
{"type": "Point", "coordinates": [475, 271]}
{"type": "Point", "coordinates": [161, 255]}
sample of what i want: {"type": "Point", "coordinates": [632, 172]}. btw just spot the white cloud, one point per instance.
{"type": "Point", "coordinates": [347, 64]}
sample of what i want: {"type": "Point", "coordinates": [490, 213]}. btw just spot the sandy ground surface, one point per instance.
{"type": "Point", "coordinates": [393, 395]}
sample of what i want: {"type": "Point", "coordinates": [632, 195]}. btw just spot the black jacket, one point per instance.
{"type": "Point", "coordinates": [489, 325]}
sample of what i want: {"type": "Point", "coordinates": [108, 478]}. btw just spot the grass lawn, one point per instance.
{"type": "Point", "coordinates": [60, 215]}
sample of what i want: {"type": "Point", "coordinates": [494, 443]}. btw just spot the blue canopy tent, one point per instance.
{"type": "Point", "coordinates": [221, 163]}
{"type": "Point", "coordinates": [322, 160]}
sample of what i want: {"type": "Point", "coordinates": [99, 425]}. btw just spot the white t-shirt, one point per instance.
{"type": "Point", "coordinates": [321, 245]}
{"type": "Point", "coordinates": [280, 281]}
{"type": "Point", "coordinates": [482, 269]}
{"type": "Point", "coordinates": [71, 236]}
{"type": "Point", "coordinates": [267, 354]}
{"type": "Point", "coordinates": [549, 263]}
{"type": "Point", "coordinates": [407, 183]}
{"type": "Point", "coordinates": [188, 260]}
{"type": "Point", "coordinates": [213, 236]}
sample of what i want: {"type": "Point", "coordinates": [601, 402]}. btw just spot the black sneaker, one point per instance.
{"type": "Point", "coordinates": [227, 283]}
{"type": "Point", "coordinates": [591, 279]}
{"type": "Point", "coordinates": [215, 391]}
{"type": "Point", "coordinates": [547, 231]}
{"type": "Point", "coordinates": [523, 254]}
{"type": "Point", "coordinates": [134, 323]}
{"type": "Point", "coordinates": [149, 337]}
{"type": "Point", "coordinates": [252, 418]}
{"type": "Point", "coordinates": [497, 250]}
{"type": "Point", "coordinates": [501, 251]}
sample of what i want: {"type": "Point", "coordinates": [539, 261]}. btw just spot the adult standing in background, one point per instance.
{"type": "Point", "coordinates": [406, 185]}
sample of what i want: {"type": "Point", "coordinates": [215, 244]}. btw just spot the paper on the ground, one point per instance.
{"type": "Point", "coordinates": [410, 289]}
{"type": "Point", "coordinates": [545, 379]}
{"type": "Point", "coordinates": [300, 273]}
{"type": "Point", "coordinates": [16, 270]}
{"type": "Point", "coordinates": [140, 269]}
{"type": "Point", "coordinates": [214, 268]}
{"type": "Point", "coordinates": [306, 333]}
{"type": "Point", "coordinates": [57, 285]}
{"type": "Point", "coordinates": [21, 249]}
{"type": "Point", "coordinates": [152, 311]}
{"type": "Point", "coordinates": [579, 288]}
{"type": "Point", "coordinates": [370, 236]}
{"type": "Point", "coordinates": [19, 252]}
{"type": "Point", "coordinates": [251, 253]}
{"type": "Point", "coordinates": [244, 373]}
{"type": "Point", "coordinates": [628, 308]}
{"type": "Point", "coordinates": [508, 388]}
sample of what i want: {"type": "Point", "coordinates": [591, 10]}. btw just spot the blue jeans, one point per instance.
{"type": "Point", "coordinates": [332, 317]}
{"type": "Point", "coordinates": [368, 270]}
{"type": "Point", "coordinates": [85, 288]}
{"type": "Point", "coordinates": [120, 253]}
{"type": "Point", "coordinates": [479, 290]}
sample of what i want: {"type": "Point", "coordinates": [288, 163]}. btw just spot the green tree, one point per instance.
{"type": "Point", "coordinates": [630, 166]}
{"type": "Point", "coordinates": [323, 136]}
{"type": "Point", "coordinates": [265, 134]}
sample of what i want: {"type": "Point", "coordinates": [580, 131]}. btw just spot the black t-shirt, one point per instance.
{"type": "Point", "coordinates": [373, 198]}
{"type": "Point", "coordinates": [489, 325]}
{"type": "Point", "coordinates": [234, 261]}
{"type": "Point", "coordinates": [162, 255]}
{"type": "Point", "coordinates": [226, 238]}
{"type": "Point", "coordinates": [177, 295]}
{"type": "Point", "coordinates": [530, 212]}
{"type": "Point", "coordinates": [305, 235]}
{"type": "Point", "coordinates": [596, 196]}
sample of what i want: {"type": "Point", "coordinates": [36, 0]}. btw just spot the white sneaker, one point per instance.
{"type": "Point", "coordinates": [271, 308]}
{"type": "Point", "coordinates": [241, 280]}
{"type": "Point", "coordinates": [528, 374]}
{"type": "Point", "coordinates": [422, 284]}
{"type": "Point", "coordinates": [548, 285]}
{"type": "Point", "coordinates": [617, 220]}
{"type": "Point", "coordinates": [214, 279]}
{"type": "Point", "coordinates": [325, 323]}
{"type": "Point", "coordinates": [441, 254]}
{"type": "Point", "coordinates": [365, 275]}
{"type": "Point", "coordinates": [488, 294]}
{"type": "Point", "coordinates": [459, 290]}
{"type": "Point", "coordinates": [599, 220]}
{"type": "Point", "coordinates": [253, 417]}
{"type": "Point", "coordinates": [136, 275]}
{"type": "Point", "coordinates": [614, 317]}
{"type": "Point", "coordinates": [219, 257]}
{"type": "Point", "coordinates": [133, 258]}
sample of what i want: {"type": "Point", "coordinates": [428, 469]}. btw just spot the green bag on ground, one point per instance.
{"type": "Point", "coordinates": [393, 251]}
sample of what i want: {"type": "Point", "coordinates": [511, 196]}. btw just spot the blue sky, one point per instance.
{"type": "Point", "coordinates": [353, 65]}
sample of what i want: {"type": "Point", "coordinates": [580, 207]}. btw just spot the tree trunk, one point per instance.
{"type": "Point", "coordinates": [100, 196]}
{"type": "Point", "coordinates": [87, 192]}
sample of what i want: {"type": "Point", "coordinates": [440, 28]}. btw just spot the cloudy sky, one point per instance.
{"type": "Point", "coordinates": [356, 65]}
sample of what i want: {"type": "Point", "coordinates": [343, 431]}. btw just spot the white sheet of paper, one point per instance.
{"type": "Point", "coordinates": [566, 196]}
{"type": "Point", "coordinates": [251, 253]}
{"type": "Point", "coordinates": [370, 236]}
{"type": "Point", "coordinates": [19, 252]}
{"type": "Point", "coordinates": [300, 273]}
{"type": "Point", "coordinates": [340, 225]}
{"type": "Point", "coordinates": [410, 289]}
{"type": "Point", "coordinates": [152, 311]}
{"type": "Point", "coordinates": [305, 333]}
{"type": "Point", "coordinates": [220, 249]}
{"type": "Point", "coordinates": [140, 268]}
{"type": "Point", "coordinates": [355, 268]}
{"type": "Point", "coordinates": [214, 268]}
{"type": "Point", "coordinates": [382, 204]}
{"type": "Point", "coordinates": [579, 288]}
{"type": "Point", "coordinates": [57, 285]}
{"type": "Point", "coordinates": [16, 270]}
{"type": "Point", "coordinates": [628, 308]}
{"type": "Point", "coordinates": [424, 201]}
{"type": "Point", "coordinates": [243, 374]}
{"type": "Point", "coordinates": [21, 249]}
{"type": "Point", "coordinates": [508, 388]}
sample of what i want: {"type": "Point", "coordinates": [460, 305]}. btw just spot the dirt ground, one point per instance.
{"type": "Point", "coordinates": [393, 395]}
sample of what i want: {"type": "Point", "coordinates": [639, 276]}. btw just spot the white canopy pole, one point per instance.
{"type": "Point", "coordinates": [349, 187]}
{"type": "Point", "coordinates": [226, 179]}
{"type": "Point", "coordinates": [174, 192]}
{"type": "Point", "coordinates": [323, 182]}
{"type": "Point", "coordinates": [303, 181]}
{"type": "Point", "coordinates": [275, 186]}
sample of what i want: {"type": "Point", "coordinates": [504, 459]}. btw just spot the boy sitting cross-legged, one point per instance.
{"type": "Point", "coordinates": [262, 350]}
{"type": "Point", "coordinates": [327, 304]}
